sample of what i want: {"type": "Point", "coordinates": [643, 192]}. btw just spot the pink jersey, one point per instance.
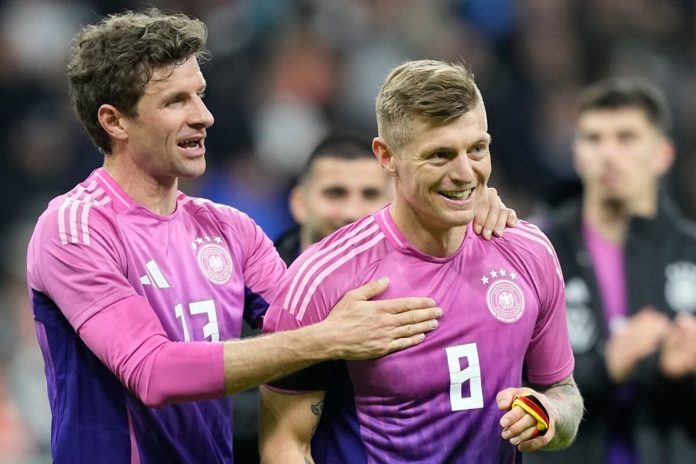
{"type": "Point", "coordinates": [504, 321]}
{"type": "Point", "coordinates": [201, 269]}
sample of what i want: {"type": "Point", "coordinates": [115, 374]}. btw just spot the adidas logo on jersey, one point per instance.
{"type": "Point", "coordinates": [154, 276]}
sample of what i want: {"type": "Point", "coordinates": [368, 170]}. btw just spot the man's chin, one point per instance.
{"type": "Point", "coordinates": [457, 219]}
{"type": "Point", "coordinates": [192, 170]}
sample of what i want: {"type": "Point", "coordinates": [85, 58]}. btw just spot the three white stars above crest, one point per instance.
{"type": "Point", "coordinates": [206, 239]}
{"type": "Point", "coordinates": [485, 279]}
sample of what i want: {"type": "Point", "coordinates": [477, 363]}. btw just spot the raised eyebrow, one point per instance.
{"type": "Point", "coordinates": [182, 93]}
{"type": "Point", "coordinates": [486, 138]}
{"type": "Point", "coordinates": [587, 134]}
{"type": "Point", "coordinates": [174, 94]}
{"type": "Point", "coordinates": [430, 151]}
{"type": "Point", "coordinates": [334, 189]}
{"type": "Point", "coordinates": [627, 133]}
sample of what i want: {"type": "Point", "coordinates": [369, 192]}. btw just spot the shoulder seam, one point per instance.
{"type": "Point", "coordinates": [533, 233]}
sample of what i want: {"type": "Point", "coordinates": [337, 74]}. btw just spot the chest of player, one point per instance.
{"type": "Point", "coordinates": [490, 310]}
{"type": "Point", "coordinates": [192, 278]}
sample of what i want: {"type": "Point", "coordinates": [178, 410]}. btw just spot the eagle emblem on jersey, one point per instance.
{"type": "Point", "coordinates": [504, 298]}
{"type": "Point", "coordinates": [680, 288]}
{"type": "Point", "coordinates": [213, 259]}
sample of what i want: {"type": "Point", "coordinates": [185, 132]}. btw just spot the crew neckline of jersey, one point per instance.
{"type": "Point", "coordinates": [399, 241]}
{"type": "Point", "coordinates": [122, 201]}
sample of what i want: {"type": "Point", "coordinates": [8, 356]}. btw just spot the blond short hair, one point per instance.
{"type": "Point", "coordinates": [431, 91]}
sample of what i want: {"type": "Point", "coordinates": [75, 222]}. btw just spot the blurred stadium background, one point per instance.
{"type": "Point", "coordinates": [285, 71]}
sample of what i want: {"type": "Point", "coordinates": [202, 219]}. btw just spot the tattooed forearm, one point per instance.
{"type": "Point", "coordinates": [567, 405]}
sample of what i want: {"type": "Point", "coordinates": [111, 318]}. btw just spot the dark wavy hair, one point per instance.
{"type": "Point", "coordinates": [112, 61]}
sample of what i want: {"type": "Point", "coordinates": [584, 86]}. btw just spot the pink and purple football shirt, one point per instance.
{"type": "Point", "coordinates": [504, 321]}
{"type": "Point", "coordinates": [201, 270]}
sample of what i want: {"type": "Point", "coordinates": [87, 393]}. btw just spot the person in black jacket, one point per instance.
{"type": "Point", "coordinates": [629, 263]}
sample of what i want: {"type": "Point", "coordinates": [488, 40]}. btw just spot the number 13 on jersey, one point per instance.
{"type": "Point", "coordinates": [204, 307]}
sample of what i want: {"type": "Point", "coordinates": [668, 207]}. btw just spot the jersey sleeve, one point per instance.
{"type": "Point", "coordinates": [263, 270]}
{"type": "Point", "coordinates": [157, 370]}
{"type": "Point", "coordinates": [301, 302]}
{"type": "Point", "coordinates": [549, 357]}
{"type": "Point", "coordinates": [81, 272]}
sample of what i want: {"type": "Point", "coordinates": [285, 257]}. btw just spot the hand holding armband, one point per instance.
{"type": "Point", "coordinates": [532, 406]}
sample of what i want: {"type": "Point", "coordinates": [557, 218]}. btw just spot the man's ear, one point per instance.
{"type": "Point", "coordinates": [665, 157]}
{"type": "Point", "coordinates": [384, 155]}
{"type": "Point", "coordinates": [298, 204]}
{"type": "Point", "coordinates": [111, 120]}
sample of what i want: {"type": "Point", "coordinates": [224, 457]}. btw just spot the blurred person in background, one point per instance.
{"type": "Point", "coordinates": [21, 364]}
{"type": "Point", "coordinates": [135, 286]}
{"type": "Point", "coordinates": [502, 299]}
{"type": "Point", "coordinates": [629, 262]}
{"type": "Point", "coordinates": [339, 183]}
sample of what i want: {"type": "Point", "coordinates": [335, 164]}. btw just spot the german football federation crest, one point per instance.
{"type": "Point", "coordinates": [213, 259]}
{"type": "Point", "coordinates": [583, 328]}
{"type": "Point", "coordinates": [680, 288]}
{"type": "Point", "coordinates": [504, 298]}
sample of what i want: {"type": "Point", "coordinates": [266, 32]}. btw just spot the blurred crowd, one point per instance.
{"type": "Point", "coordinates": [283, 73]}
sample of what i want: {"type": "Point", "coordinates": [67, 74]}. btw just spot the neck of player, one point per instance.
{"type": "Point", "coordinates": [427, 237]}
{"type": "Point", "coordinates": [154, 193]}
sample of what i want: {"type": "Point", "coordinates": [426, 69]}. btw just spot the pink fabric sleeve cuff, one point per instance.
{"type": "Point", "coordinates": [128, 337]}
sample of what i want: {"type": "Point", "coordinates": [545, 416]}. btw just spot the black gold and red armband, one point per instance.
{"type": "Point", "coordinates": [532, 406]}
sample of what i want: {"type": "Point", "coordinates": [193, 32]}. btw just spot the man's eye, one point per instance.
{"type": "Point", "coordinates": [372, 194]}
{"type": "Point", "coordinates": [479, 149]}
{"type": "Point", "coordinates": [334, 194]}
{"type": "Point", "coordinates": [441, 155]}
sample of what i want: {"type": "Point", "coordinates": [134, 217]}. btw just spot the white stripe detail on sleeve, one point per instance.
{"type": "Point", "coordinates": [336, 264]}
{"type": "Point", "coordinates": [69, 228]}
{"type": "Point", "coordinates": [84, 220]}
{"type": "Point", "coordinates": [69, 200]}
{"type": "Point", "coordinates": [61, 222]}
{"type": "Point", "coordinates": [339, 245]}
{"type": "Point", "coordinates": [534, 234]}
{"type": "Point", "coordinates": [73, 219]}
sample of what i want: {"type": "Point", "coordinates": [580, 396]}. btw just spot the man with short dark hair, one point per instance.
{"type": "Point", "coordinates": [629, 261]}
